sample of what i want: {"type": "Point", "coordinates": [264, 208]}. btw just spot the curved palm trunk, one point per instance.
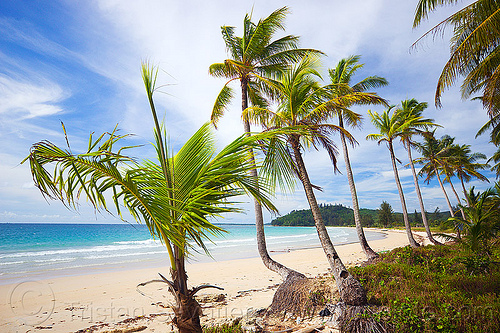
{"type": "Point", "coordinates": [465, 191]}
{"type": "Point", "coordinates": [444, 191]}
{"type": "Point", "coordinates": [271, 264]}
{"type": "Point", "coordinates": [370, 254]}
{"type": "Point", "coordinates": [351, 291]}
{"type": "Point", "coordinates": [420, 200]}
{"type": "Point", "coordinates": [452, 213]}
{"type": "Point", "coordinates": [458, 198]}
{"type": "Point", "coordinates": [412, 241]}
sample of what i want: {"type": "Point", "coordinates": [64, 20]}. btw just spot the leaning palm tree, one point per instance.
{"type": "Point", "coordinates": [466, 166]}
{"type": "Point", "coordinates": [391, 127]}
{"type": "Point", "coordinates": [255, 57]}
{"type": "Point", "coordinates": [341, 85]}
{"type": "Point", "coordinates": [301, 102]}
{"type": "Point", "coordinates": [413, 109]}
{"type": "Point", "coordinates": [176, 196]}
{"type": "Point", "coordinates": [474, 48]}
{"type": "Point", "coordinates": [448, 164]}
{"type": "Point", "coordinates": [435, 154]}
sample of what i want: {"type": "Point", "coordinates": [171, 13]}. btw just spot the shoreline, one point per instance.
{"type": "Point", "coordinates": [73, 303]}
{"type": "Point", "coordinates": [158, 260]}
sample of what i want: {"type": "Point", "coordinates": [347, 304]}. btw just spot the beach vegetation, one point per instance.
{"type": "Point", "coordinates": [457, 291]}
{"type": "Point", "coordinates": [177, 195]}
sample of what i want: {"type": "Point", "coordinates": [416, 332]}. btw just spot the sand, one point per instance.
{"type": "Point", "coordinates": [70, 304]}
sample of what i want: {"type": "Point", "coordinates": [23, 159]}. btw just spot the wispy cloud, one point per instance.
{"type": "Point", "coordinates": [29, 100]}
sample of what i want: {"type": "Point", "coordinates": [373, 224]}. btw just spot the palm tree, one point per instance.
{"type": "Point", "coordinates": [465, 166]}
{"type": "Point", "coordinates": [413, 109]}
{"type": "Point", "coordinates": [435, 154]}
{"type": "Point", "coordinates": [494, 124]}
{"type": "Point", "coordinates": [175, 196]}
{"type": "Point", "coordinates": [340, 85]}
{"type": "Point", "coordinates": [447, 165]}
{"type": "Point", "coordinates": [390, 128]}
{"type": "Point", "coordinates": [478, 225]}
{"type": "Point", "coordinates": [301, 105]}
{"type": "Point", "coordinates": [474, 48]}
{"type": "Point", "coordinates": [255, 57]}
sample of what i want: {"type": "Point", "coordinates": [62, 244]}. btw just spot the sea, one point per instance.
{"type": "Point", "coordinates": [46, 250]}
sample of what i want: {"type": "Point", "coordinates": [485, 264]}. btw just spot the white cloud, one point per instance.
{"type": "Point", "coordinates": [29, 100]}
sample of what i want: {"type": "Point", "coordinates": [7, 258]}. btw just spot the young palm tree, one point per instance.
{"type": "Point", "coordinates": [479, 224]}
{"type": "Point", "coordinates": [391, 127]}
{"type": "Point", "coordinates": [474, 48]}
{"type": "Point", "coordinates": [301, 104]}
{"type": "Point", "coordinates": [255, 57]}
{"type": "Point", "coordinates": [413, 109]}
{"type": "Point", "coordinates": [340, 86]}
{"type": "Point", "coordinates": [175, 196]}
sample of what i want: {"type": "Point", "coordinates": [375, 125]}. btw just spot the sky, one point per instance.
{"type": "Point", "coordinates": [78, 62]}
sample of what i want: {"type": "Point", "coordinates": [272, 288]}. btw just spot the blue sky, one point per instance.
{"type": "Point", "coordinates": [79, 63]}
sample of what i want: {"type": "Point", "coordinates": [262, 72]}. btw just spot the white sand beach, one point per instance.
{"type": "Point", "coordinates": [70, 304]}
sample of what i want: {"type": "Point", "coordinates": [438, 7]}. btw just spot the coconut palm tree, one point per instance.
{"type": "Point", "coordinates": [447, 166]}
{"type": "Point", "coordinates": [341, 85]}
{"type": "Point", "coordinates": [301, 103]}
{"type": "Point", "coordinates": [411, 108]}
{"type": "Point", "coordinates": [255, 57]}
{"type": "Point", "coordinates": [465, 166]}
{"type": "Point", "coordinates": [176, 196]}
{"type": "Point", "coordinates": [435, 154]}
{"type": "Point", "coordinates": [474, 48]}
{"type": "Point", "coordinates": [479, 225]}
{"type": "Point", "coordinates": [391, 127]}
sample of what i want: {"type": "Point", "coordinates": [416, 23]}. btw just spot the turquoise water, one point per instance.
{"type": "Point", "coordinates": [29, 250]}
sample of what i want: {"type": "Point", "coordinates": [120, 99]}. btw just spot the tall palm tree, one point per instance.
{"type": "Point", "coordinates": [494, 125]}
{"type": "Point", "coordinates": [301, 103]}
{"type": "Point", "coordinates": [176, 196]}
{"type": "Point", "coordinates": [466, 166]}
{"type": "Point", "coordinates": [391, 127]}
{"type": "Point", "coordinates": [447, 165]}
{"type": "Point", "coordinates": [435, 154]}
{"type": "Point", "coordinates": [409, 109]}
{"type": "Point", "coordinates": [341, 85]}
{"type": "Point", "coordinates": [474, 48]}
{"type": "Point", "coordinates": [255, 57]}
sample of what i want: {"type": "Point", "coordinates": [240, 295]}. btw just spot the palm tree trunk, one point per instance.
{"type": "Point", "coordinates": [452, 213]}
{"type": "Point", "coordinates": [458, 198]}
{"type": "Point", "coordinates": [444, 191]}
{"type": "Point", "coordinates": [412, 241]}
{"type": "Point", "coordinates": [271, 264]}
{"type": "Point", "coordinates": [351, 291]}
{"type": "Point", "coordinates": [420, 200]}
{"type": "Point", "coordinates": [370, 254]}
{"type": "Point", "coordinates": [187, 310]}
{"type": "Point", "coordinates": [465, 191]}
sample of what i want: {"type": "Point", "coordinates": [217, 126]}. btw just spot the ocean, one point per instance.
{"type": "Point", "coordinates": [43, 250]}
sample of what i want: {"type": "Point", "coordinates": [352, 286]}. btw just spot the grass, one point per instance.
{"type": "Point", "coordinates": [435, 289]}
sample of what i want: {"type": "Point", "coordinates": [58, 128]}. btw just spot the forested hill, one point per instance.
{"type": "Point", "coordinates": [339, 215]}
